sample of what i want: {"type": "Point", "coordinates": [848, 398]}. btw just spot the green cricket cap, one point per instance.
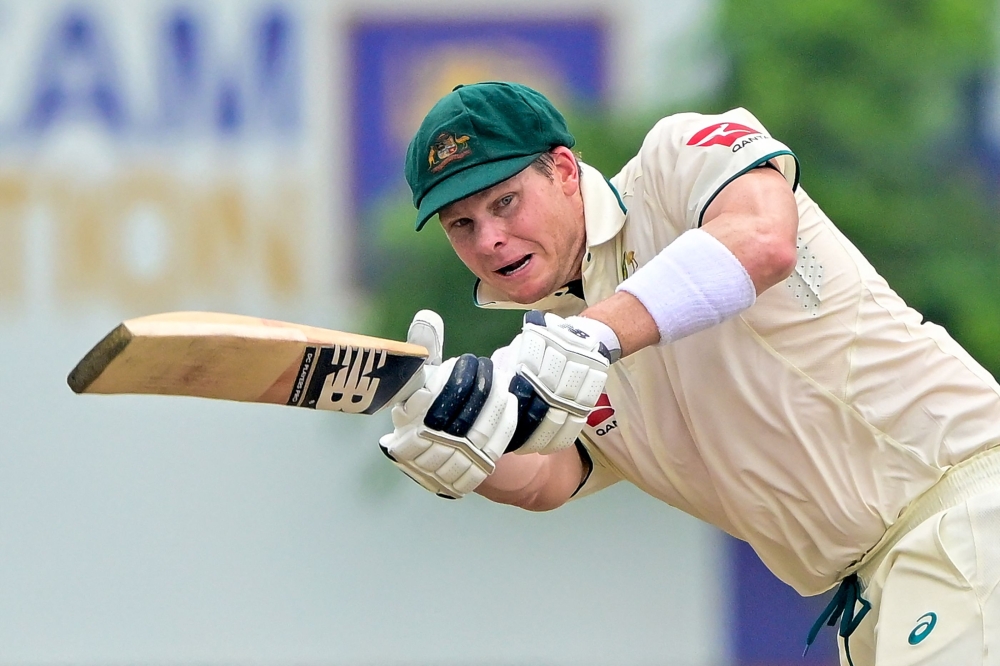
{"type": "Point", "coordinates": [477, 136]}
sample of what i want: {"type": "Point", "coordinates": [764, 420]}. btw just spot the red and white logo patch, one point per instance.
{"type": "Point", "coordinates": [602, 411]}
{"type": "Point", "coordinates": [721, 134]}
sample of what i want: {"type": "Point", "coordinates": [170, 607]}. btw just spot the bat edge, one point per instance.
{"type": "Point", "coordinates": [98, 359]}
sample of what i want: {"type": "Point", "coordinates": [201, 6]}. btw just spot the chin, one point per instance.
{"type": "Point", "coordinates": [519, 295]}
{"type": "Point", "coordinates": [525, 300]}
{"type": "Point", "coordinates": [529, 296]}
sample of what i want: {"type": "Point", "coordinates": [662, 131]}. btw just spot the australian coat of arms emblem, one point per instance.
{"type": "Point", "coordinates": [447, 148]}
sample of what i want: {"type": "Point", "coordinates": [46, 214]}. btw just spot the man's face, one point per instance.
{"type": "Point", "coordinates": [524, 236]}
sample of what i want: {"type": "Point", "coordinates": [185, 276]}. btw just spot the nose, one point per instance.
{"type": "Point", "coordinates": [491, 235]}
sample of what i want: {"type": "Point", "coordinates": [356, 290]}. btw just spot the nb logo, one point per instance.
{"type": "Point", "coordinates": [575, 331]}
{"type": "Point", "coordinates": [925, 625]}
{"type": "Point", "coordinates": [338, 378]}
{"type": "Point", "coordinates": [350, 389]}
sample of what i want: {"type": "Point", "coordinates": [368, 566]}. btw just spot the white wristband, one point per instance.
{"type": "Point", "coordinates": [694, 283]}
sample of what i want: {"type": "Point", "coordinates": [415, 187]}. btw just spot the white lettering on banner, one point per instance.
{"type": "Point", "coordinates": [213, 239]}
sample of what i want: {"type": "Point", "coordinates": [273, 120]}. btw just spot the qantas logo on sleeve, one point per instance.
{"type": "Point", "coordinates": [725, 134]}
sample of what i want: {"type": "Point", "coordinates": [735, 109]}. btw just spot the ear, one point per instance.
{"type": "Point", "coordinates": [566, 170]}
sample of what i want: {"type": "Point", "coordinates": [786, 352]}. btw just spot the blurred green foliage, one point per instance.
{"type": "Point", "coordinates": [872, 97]}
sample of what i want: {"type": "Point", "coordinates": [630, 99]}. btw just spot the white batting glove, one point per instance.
{"type": "Point", "coordinates": [458, 421]}
{"type": "Point", "coordinates": [564, 363]}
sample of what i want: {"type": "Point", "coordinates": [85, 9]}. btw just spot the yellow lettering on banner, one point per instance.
{"type": "Point", "coordinates": [221, 248]}
{"type": "Point", "coordinates": [95, 253]}
{"type": "Point", "coordinates": [159, 200]}
{"type": "Point", "coordinates": [283, 238]}
{"type": "Point", "coordinates": [81, 252]}
{"type": "Point", "coordinates": [149, 243]}
{"type": "Point", "coordinates": [13, 197]}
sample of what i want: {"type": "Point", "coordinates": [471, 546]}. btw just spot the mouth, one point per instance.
{"type": "Point", "coordinates": [514, 267]}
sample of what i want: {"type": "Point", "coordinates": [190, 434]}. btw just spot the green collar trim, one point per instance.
{"type": "Point", "coordinates": [794, 182]}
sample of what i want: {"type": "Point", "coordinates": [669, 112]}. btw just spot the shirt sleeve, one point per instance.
{"type": "Point", "coordinates": [688, 158]}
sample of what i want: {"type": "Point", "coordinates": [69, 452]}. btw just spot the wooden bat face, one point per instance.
{"type": "Point", "coordinates": [233, 357]}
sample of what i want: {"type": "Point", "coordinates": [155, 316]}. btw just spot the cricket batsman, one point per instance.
{"type": "Point", "coordinates": [699, 328]}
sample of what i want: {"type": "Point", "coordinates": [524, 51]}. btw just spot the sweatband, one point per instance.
{"type": "Point", "coordinates": [694, 283]}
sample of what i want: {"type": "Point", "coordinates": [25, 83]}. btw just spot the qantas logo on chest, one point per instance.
{"type": "Point", "coordinates": [725, 134]}
{"type": "Point", "coordinates": [602, 418]}
{"type": "Point", "coordinates": [602, 411]}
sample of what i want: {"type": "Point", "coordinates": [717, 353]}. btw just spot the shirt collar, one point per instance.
{"type": "Point", "coordinates": [603, 216]}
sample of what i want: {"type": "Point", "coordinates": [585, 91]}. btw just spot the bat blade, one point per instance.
{"type": "Point", "coordinates": [234, 357]}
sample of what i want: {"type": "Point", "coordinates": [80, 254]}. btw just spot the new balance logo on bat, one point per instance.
{"type": "Point", "coordinates": [345, 379]}
{"type": "Point", "coordinates": [351, 387]}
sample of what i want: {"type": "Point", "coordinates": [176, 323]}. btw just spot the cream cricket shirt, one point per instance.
{"type": "Point", "coordinates": [804, 426]}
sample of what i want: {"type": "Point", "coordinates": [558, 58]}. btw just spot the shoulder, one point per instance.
{"type": "Point", "coordinates": [687, 158]}
{"type": "Point", "coordinates": [692, 147]}
{"type": "Point", "coordinates": [699, 130]}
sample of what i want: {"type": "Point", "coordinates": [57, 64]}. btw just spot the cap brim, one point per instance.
{"type": "Point", "coordinates": [467, 182]}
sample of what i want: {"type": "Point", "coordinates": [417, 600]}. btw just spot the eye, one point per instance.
{"type": "Point", "coordinates": [460, 223]}
{"type": "Point", "coordinates": [504, 203]}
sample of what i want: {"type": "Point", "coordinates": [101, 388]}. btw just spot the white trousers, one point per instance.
{"type": "Point", "coordinates": [934, 594]}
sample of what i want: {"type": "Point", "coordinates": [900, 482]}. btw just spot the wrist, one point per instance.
{"type": "Point", "coordinates": [694, 283]}
{"type": "Point", "coordinates": [625, 314]}
{"type": "Point", "coordinates": [599, 331]}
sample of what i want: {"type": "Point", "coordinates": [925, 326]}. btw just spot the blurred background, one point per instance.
{"type": "Point", "coordinates": [245, 156]}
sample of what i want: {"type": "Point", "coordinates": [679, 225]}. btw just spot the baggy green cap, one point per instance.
{"type": "Point", "coordinates": [477, 136]}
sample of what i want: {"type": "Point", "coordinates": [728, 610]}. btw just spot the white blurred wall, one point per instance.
{"type": "Point", "coordinates": [145, 530]}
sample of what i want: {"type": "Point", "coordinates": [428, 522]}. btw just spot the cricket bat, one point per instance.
{"type": "Point", "coordinates": [234, 357]}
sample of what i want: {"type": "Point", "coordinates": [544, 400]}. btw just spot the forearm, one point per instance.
{"type": "Point", "coordinates": [533, 481]}
{"type": "Point", "coordinates": [630, 321]}
{"type": "Point", "coordinates": [695, 283]}
{"type": "Point", "coordinates": [746, 245]}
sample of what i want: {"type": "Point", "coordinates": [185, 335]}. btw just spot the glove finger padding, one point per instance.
{"type": "Point", "coordinates": [414, 408]}
{"type": "Point", "coordinates": [557, 431]}
{"type": "Point", "coordinates": [427, 330]}
{"type": "Point", "coordinates": [567, 368]}
{"type": "Point", "coordinates": [563, 371]}
{"type": "Point", "coordinates": [496, 424]}
{"type": "Point", "coordinates": [462, 396]}
{"type": "Point", "coordinates": [531, 411]}
{"type": "Point", "coordinates": [452, 430]}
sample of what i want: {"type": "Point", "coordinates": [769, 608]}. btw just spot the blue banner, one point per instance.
{"type": "Point", "coordinates": [400, 68]}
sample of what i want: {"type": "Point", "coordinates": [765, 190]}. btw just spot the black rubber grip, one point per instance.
{"type": "Point", "coordinates": [462, 423]}
{"type": "Point", "coordinates": [456, 391]}
{"type": "Point", "coordinates": [531, 409]}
